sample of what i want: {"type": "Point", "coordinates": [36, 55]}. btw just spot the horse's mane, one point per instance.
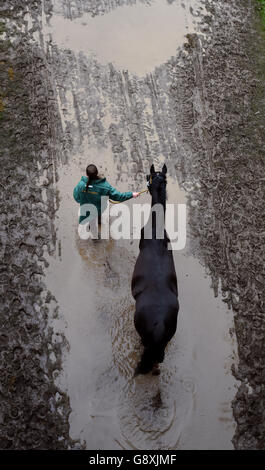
{"type": "Point", "coordinates": [163, 191]}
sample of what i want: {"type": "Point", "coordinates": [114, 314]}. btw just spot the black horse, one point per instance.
{"type": "Point", "coordinates": [154, 282]}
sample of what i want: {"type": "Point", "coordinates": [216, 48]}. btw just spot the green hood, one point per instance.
{"type": "Point", "coordinates": [84, 179]}
{"type": "Point", "coordinates": [96, 189]}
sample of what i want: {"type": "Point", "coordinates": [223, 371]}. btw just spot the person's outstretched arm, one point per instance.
{"type": "Point", "coordinates": [121, 197]}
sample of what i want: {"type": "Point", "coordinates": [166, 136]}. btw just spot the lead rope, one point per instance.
{"type": "Point", "coordinates": [119, 202]}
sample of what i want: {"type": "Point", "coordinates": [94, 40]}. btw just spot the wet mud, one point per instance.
{"type": "Point", "coordinates": [34, 413]}
{"type": "Point", "coordinates": [68, 344]}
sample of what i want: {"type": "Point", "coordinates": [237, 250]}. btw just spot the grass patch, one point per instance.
{"type": "Point", "coordinates": [261, 7]}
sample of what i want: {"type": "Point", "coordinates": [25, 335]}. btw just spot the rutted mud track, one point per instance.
{"type": "Point", "coordinates": [34, 413]}
{"type": "Point", "coordinates": [202, 111]}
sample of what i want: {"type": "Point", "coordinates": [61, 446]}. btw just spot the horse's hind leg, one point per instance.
{"type": "Point", "coordinates": [146, 362]}
{"type": "Point", "coordinates": [159, 359]}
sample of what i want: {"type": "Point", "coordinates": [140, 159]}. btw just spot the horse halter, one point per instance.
{"type": "Point", "coordinates": [150, 179]}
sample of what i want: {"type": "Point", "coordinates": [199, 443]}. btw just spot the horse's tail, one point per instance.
{"type": "Point", "coordinates": [152, 355]}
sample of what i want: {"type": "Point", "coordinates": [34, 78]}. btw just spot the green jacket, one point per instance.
{"type": "Point", "coordinates": [96, 189]}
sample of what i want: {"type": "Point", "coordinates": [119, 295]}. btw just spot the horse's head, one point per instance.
{"type": "Point", "coordinates": [157, 179]}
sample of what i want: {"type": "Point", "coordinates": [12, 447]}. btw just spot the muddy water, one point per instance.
{"type": "Point", "coordinates": [189, 405]}
{"type": "Point", "coordinates": [137, 38]}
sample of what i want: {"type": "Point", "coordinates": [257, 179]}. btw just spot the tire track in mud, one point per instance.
{"type": "Point", "coordinates": [78, 8]}
{"type": "Point", "coordinates": [34, 412]}
{"type": "Point", "coordinates": [225, 137]}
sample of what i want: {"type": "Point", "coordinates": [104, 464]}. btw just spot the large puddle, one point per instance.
{"type": "Point", "coordinates": [189, 405]}
{"type": "Point", "coordinates": [136, 38]}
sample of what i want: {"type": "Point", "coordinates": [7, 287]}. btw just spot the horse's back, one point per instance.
{"type": "Point", "coordinates": [154, 269]}
{"type": "Point", "coordinates": [156, 311]}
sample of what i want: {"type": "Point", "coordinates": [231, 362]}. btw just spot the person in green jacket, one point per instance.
{"type": "Point", "coordinates": [90, 189]}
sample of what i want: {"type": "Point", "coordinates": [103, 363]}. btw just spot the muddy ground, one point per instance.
{"type": "Point", "coordinates": [201, 111]}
